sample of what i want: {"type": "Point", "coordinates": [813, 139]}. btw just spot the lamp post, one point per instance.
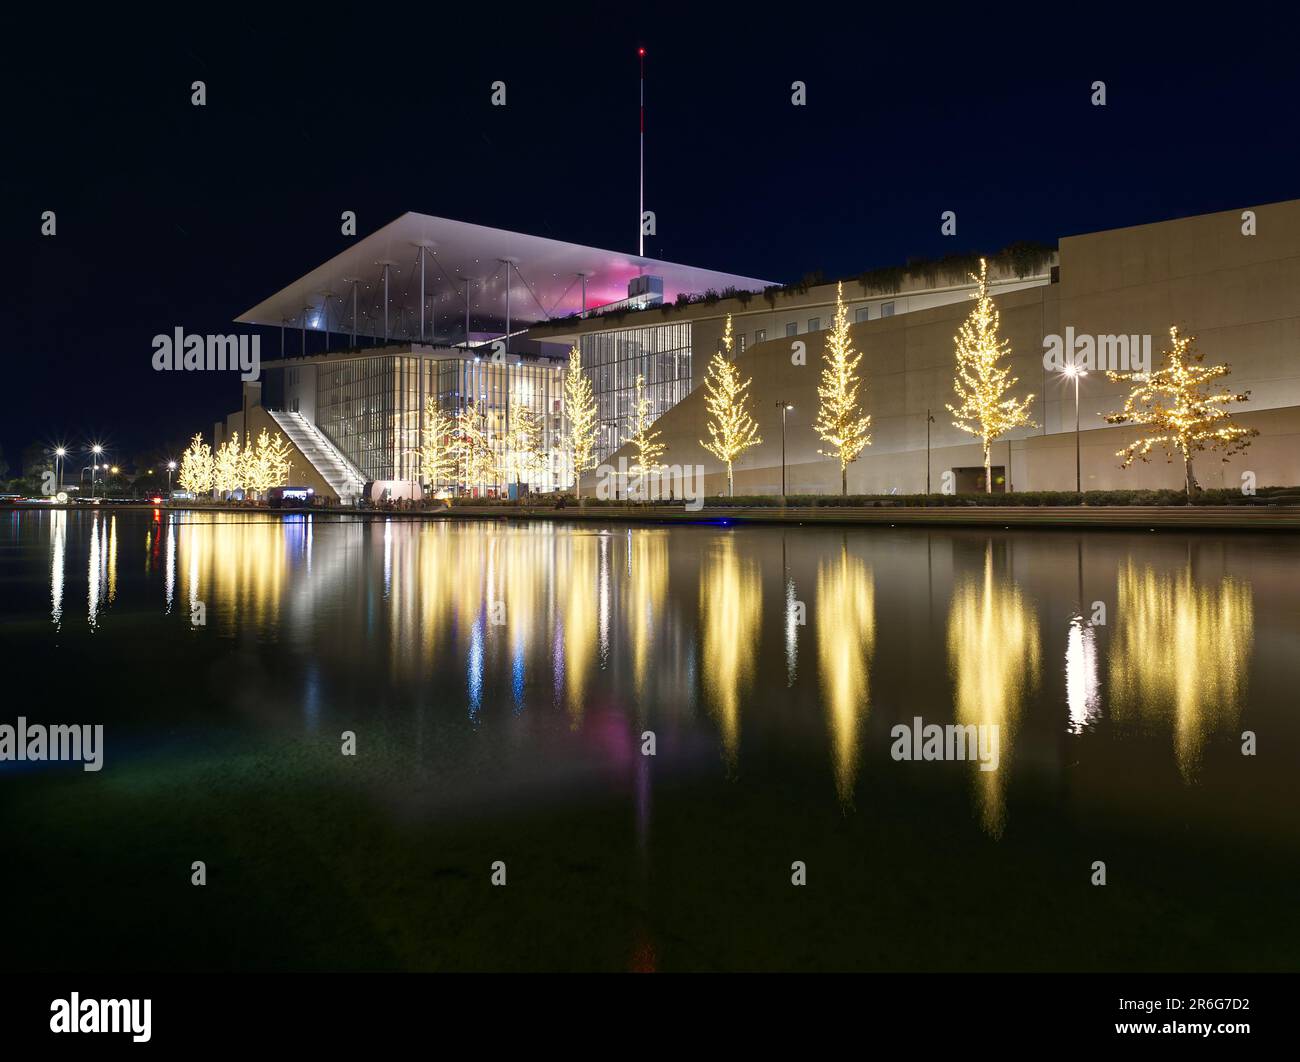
{"type": "Point", "coordinates": [59, 455]}
{"type": "Point", "coordinates": [171, 467]}
{"type": "Point", "coordinates": [98, 451]}
{"type": "Point", "coordinates": [1073, 372]}
{"type": "Point", "coordinates": [785, 408]}
{"type": "Point", "coordinates": [929, 419]}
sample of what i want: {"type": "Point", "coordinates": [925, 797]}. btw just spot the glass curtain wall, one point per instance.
{"type": "Point", "coordinates": [496, 386]}
{"type": "Point", "coordinates": [371, 408]}
{"type": "Point", "coordinates": [355, 405]}
{"type": "Point", "coordinates": [613, 360]}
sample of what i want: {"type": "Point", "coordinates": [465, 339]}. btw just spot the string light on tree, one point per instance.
{"type": "Point", "coordinates": [197, 468]}
{"type": "Point", "coordinates": [840, 422]}
{"type": "Point", "coordinates": [647, 449]}
{"type": "Point", "coordinates": [580, 412]}
{"type": "Point", "coordinates": [985, 408]}
{"type": "Point", "coordinates": [732, 430]}
{"type": "Point", "coordinates": [227, 467]}
{"type": "Point", "coordinates": [437, 452]}
{"type": "Point", "coordinates": [526, 456]}
{"type": "Point", "coordinates": [1186, 412]}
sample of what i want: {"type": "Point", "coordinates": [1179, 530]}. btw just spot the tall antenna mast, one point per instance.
{"type": "Point", "coordinates": [640, 220]}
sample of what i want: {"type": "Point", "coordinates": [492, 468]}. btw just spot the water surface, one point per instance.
{"type": "Point", "coordinates": [501, 680]}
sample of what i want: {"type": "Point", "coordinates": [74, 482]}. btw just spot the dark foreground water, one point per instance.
{"type": "Point", "coordinates": [499, 678]}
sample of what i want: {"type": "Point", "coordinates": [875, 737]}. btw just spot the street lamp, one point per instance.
{"type": "Point", "coordinates": [785, 408]}
{"type": "Point", "coordinates": [59, 454]}
{"type": "Point", "coordinates": [171, 467]}
{"type": "Point", "coordinates": [1073, 372]}
{"type": "Point", "coordinates": [929, 419]}
{"type": "Point", "coordinates": [97, 450]}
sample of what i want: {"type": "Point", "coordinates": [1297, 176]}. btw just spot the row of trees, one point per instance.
{"type": "Point", "coordinates": [471, 448]}
{"type": "Point", "coordinates": [458, 448]}
{"type": "Point", "coordinates": [254, 468]}
{"type": "Point", "coordinates": [1177, 400]}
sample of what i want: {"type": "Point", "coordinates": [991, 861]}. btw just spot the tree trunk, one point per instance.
{"type": "Point", "coordinates": [844, 481]}
{"type": "Point", "coordinates": [1191, 478]}
{"type": "Point", "coordinates": [988, 470]}
{"type": "Point", "coordinates": [731, 485]}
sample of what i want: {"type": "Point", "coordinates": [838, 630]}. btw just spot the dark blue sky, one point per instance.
{"type": "Point", "coordinates": [173, 215]}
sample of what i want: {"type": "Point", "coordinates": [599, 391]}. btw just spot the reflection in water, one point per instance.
{"type": "Point", "coordinates": [101, 567]}
{"type": "Point", "coordinates": [1183, 650]}
{"type": "Point", "coordinates": [846, 638]}
{"type": "Point", "coordinates": [237, 570]}
{"type": "Point", "coordinates": [793, 618]}
{"type": "Point", "coordinates": [993, 654]}
{"type": "Point", "coordinates": [731, 603]}
{"type": "Point", "coordinates": [580, 573]}
{"type": "Point", "coordinates": [169, 566]}
{"type": "Point", "coordinates": [58, 551]}
{"type": "Point", "coordinates": [494, 612]}
{"type": "Point", "coordinates": [1082, 687]}
{"type": "Point", "coordinates": [647, 583]}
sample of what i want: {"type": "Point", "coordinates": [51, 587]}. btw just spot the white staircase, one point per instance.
{"type": "Point", "coordinates": [332, 464]}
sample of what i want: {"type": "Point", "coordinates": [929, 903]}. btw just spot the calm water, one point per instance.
{"type": "Point", "coordinates": [499, 677]}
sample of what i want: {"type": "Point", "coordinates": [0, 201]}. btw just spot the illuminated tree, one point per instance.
{"type": "Point", "coordinates": [1186, 413]}
{"type": "Point", "coordinates": [264, 464]}
{"type": "Point", "coordinates": [985, 407]}
{"type": "Point", "coordinates": [197, 468]}
{"type": "Point", "coordinates": [645, 442]}
{"type": "Point", "coordinates": [727, 340]}
{"type": "Point", "coordinates": [475, 461]}
{"type": "Point", "coordinates": [278, 456]}
{"type": "Point", "coordinates": [437, 452]}
{"type": "Point", "coordinates": [228, 468]}
{"type": "Point", "coordinates": [525, 453]}
{"type": "Point", "coordinates": [840, 422]}
{"type": "Point", "coordinates": [580, 413]}
{"type": "Point", "coordinates": [732, 430]}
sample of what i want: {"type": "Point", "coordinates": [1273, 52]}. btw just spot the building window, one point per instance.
{"type": "Point", "coordinates": [862, 313]}
{"type": "Point", "coordinates": [613, 360]}
{"type": "Point", "coordinates": [792, 329]}
{"type": "Point", "coordinates": [760, 336]}
{"type": "Point", "coordinates": [814, 324]}
{"type": "Point", "coordinates": [887, 309]}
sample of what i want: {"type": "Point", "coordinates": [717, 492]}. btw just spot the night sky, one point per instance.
{"type": "Point", "coordinates": [174, 215]}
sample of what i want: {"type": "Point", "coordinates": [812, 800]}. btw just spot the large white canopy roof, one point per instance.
{"type": "Point", "coordinates": [545, 281]}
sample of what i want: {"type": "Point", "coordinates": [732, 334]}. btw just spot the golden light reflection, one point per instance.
{"type": "Point", "coordinates": [647, 583]}
{"type": "Point", "coordinates": [846, 639]}
{"type": "Point", "coordinates": [731, 603]}
{"type": "Point", "coordinates": [578, 573]}
{"type": "Point", "coordinates": [237, 568]}
{"type": "Point", "coordinates": [1180, 655]}
{"type": "Point", "coordinates": [993, 656]}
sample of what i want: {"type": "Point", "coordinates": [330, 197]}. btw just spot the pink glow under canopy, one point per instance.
{"type": "Point", "coordinates": [544, 281]}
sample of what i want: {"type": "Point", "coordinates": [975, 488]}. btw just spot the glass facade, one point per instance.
{"type": "Point", "coordinates": [371, 408]}
{"type": "Point", "coordinates": [613, 360]}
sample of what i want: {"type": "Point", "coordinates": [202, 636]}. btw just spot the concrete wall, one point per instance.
{"type": "Point", "coordinates": [302, 474]}
{"type": "Point", "coordinates": [1239, 294]}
